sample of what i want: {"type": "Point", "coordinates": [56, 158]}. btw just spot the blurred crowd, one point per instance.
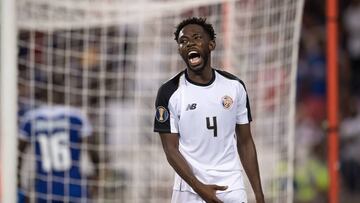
{"type": "Point", "coordinates": [311, 179]}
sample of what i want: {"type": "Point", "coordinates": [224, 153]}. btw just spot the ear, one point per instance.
{"type": "Point", "coordinates": [212, 45]}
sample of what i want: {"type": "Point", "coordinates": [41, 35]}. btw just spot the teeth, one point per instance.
{"type": "Point", "coordinates": [192, 52]}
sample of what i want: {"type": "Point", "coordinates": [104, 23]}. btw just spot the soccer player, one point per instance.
{"type": "Point", "coordinates": [203, 118]}
{"type": "Point", "coordinates": [57, 133]}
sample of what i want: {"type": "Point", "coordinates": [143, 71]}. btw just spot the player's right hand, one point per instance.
{"type": "Point", "coordinates": [208, 193]}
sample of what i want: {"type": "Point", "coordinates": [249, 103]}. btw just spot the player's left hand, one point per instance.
{"type": "Point", "coordinates": [208, 193]}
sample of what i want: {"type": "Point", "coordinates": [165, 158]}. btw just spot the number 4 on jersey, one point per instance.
{"type": "Point", "coordinates": [213, 126]}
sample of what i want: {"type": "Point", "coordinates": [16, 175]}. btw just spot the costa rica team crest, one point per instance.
{"type": "Point", "coordinates": [227, 102]}
{"type": "Point", "coordinates": [162, 115]}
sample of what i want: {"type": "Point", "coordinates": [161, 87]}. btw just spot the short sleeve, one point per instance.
{"type": "Point", "coordinates": [25, 128]}
{"type": "Point", "coordinates": [78, 120]}
{"type": "Point", "coordinates": [166, 119]}
{"type": "Point", "coordinates": [243, 114]}
{"type": "Point", "coordinates": [86, 129]}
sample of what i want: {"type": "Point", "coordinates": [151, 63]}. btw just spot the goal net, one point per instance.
{"type": "Point", "coordinates": [107, 59]}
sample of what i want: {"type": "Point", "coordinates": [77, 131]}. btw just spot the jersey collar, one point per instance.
{"type": "Point", "coordinates": [200, 84]}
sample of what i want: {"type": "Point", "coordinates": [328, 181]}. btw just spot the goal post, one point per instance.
{"type": "Point", "coordinates": [108, 58]}
{"type": "Point", "coordinates": [8, 101]}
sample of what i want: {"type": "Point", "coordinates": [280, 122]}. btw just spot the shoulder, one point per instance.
{"type": "Point", "coordinates": [30, 115]}
{"type": "Point", "coordinates": [75, 115]}
{"type": "Point", "coordinates": [173, 83]}
{"type": "Point", "coordinates": [60, 111]}
{"type": "Point", "coordinates": [231, 77]}
{"type": "Point", "coordinates": [168, 88]}
{"type": "Point", "coordinates": [74, 112]}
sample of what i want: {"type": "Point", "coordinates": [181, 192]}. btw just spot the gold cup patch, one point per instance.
{"type": "Point", "coordinates": [161, 114]}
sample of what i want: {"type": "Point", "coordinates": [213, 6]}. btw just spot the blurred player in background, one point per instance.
{"type": "Point", "coordinates": [203, 118]}
{"type": "Point", "coordinates": [57, 134]}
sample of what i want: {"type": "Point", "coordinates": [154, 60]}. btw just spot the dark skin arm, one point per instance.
{"type": "Point", "coordinates": [22, 146]}
{"type": "Point", "coordinates": [170, 143]}
{"type": "Point", "coordinates": [247, 152]}
{"type": "Point", "coordinates": [94, 158]}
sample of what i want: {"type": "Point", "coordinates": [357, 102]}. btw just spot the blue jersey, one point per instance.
{"type": "Point", "coordinates": [56, 133]}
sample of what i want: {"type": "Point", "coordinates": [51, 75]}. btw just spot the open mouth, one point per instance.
{"type": "Point", "coordinates": [194, 58]}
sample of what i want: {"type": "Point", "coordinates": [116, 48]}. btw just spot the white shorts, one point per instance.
{"type": "Point", "coordinates": [235, 196]}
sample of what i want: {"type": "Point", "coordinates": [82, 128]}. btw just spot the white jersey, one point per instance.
{"type": "Point", "coordinates": [205, 117]}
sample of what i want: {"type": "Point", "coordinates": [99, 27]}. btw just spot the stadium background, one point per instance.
{"type": "Point", "coordinates": [310, 180]}
{"type": "Point", "coordinates": [311, 101]}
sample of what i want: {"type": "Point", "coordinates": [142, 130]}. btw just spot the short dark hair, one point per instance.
{"type": "Point", "coordinates": [198, 21]}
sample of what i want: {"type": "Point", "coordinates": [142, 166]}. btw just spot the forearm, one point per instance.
{"type": "Point", "coordinates": [22, 145]}
{"type": "Point", "coordinates": [247, 153]}
{"type": "Point", "coordinates": [94, 156]}
{"type": "Point", "coordinates": [90, 147]}
{"type": "Point", "coordinates": [19, 166]}
{"type": "Point", "coordinates": [182, 168]}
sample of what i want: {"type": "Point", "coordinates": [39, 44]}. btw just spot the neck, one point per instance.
{"type": "Point", "coordinates": [202, 77]}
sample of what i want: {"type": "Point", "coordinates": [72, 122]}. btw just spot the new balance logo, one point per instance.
{"type": "Point", "coordinates": [191, 107]}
